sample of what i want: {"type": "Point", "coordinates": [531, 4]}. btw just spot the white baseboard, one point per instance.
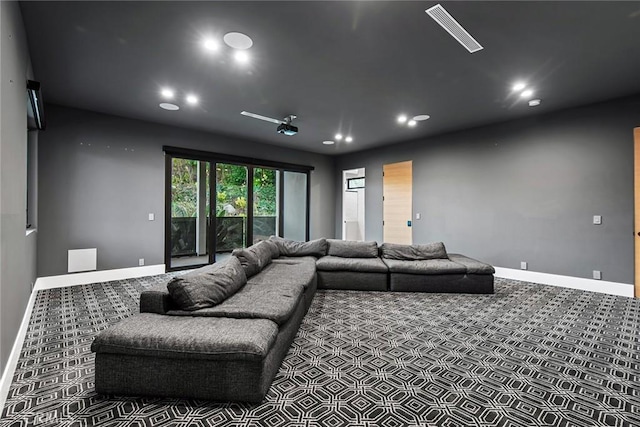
{"type": "Point", "coordinates": [602, 286]}
{"type": "Point", "coordinates": [10, 367]}
{"type": "Point", "coordinates": [51, 282]}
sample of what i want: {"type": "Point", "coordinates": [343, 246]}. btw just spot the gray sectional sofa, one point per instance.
{"type": "Point", "coordinates": [221, 332]}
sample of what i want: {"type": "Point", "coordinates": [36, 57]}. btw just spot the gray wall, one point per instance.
{"type": "Point", "coordinates": [17, 251]}
{"type": "Point", "coordinates": [524, 190]}
{"type": "Point", "coordinates": [100, 176]}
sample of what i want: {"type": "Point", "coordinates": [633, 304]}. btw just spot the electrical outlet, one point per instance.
{"type": "Point", "coordinates": [141, 261]}
{"type": "Point", "coordinates": [597, 219]}
{"type": "Point", "coordinates": [418, 216]}
{"type": "Point", "coordinates": [597, 274]}
{"type": "Point", "coordinates": [523, 265]}
{"type": "Point", "coordinates": [152, 217]}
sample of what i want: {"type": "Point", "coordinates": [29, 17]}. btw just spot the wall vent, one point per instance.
{"type": "Point", "coordinates": [446, 21]}
{"type": "Point", "coordinates": [82, 260]}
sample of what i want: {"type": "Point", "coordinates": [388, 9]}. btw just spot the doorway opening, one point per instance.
{"type": "Point", "coordinates": [353, 207]}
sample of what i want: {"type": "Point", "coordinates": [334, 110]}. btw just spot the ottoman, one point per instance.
{"type": "Point", "coordinates": [214, 358]}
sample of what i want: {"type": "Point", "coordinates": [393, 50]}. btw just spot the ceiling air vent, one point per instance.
{"type": "Point", "coordinates": [446, 21]}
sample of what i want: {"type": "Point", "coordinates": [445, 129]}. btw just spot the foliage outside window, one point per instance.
{"type": "Point", "coordinates": [231, 190]}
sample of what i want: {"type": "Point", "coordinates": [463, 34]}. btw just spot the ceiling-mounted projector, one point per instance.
{"type": "Point", "coordinates": [287, 129]}
{"type": "Point", "coordinates": [284, 126]}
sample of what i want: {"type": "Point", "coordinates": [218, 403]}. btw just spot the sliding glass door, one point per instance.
{"type": "Point", "coordinates": [216, 204]}
{"type": "Point", "coordinates": [266, 189]}
{"type": "Point", "coordinates": [231, 208]}
{"type": "Point", "coordinates": [295, 206]}
{"type": "Point", "coordinates": [190, 192]}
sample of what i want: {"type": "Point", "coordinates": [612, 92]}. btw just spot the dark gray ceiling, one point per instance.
{"type": "Point", "coordinates": [340, 66]}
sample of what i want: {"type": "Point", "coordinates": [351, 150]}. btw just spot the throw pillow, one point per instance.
{"type": "Point", "coordinates": [273, 247]}
{"type": "Point", "coordinates": [207, 286]}
{"type": "Point", "coordinates": [248, 260]}
{"type": "Point", "coordinates": [316, 248]}
{"type": "Point", "coordinates": [352, 249]}
{"type": "Point", "coordinates": [262, 252]}
{"type": "Point", "coordinates": [414, 252]}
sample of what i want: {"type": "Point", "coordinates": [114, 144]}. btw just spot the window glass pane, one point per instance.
{"type": "Point", "coordinates": [265, 203]}
{"type": "Point", "coordinates": [231, 208]}
{"type": "Point", "coordinates": [189, 212]}
{"type": "Point", "coordinates": [295, 206]}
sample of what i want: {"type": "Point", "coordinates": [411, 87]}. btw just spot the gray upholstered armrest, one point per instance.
{"type": "Point", "coordinates": [155, 301]}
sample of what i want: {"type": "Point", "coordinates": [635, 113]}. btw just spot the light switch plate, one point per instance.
{"type": "Point", "coordinates": [152, 217]}
{"type": "Point", "coordinates": [597, 219]}
{"type": "Point", "coordinates": [418, 216]}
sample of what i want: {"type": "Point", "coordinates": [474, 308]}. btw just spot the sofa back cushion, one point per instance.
{"type": "Point", "coordinates": [316, 248]}
{"type": "Point", "coordinates": [207, 286]}
{"type": "Point", "coordinates": [254, 258]}
{"type": "Point", "coordinates": [413, 252]}
{"type": "Point", "coordinates": [352, 249]}
{"type": "Point", "coordinates": [273, 247]}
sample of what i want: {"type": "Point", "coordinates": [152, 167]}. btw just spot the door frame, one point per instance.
{"type": "Point", "coordinates": [345, 189]}
{"type": "Point", "coordinates": [636, 193]}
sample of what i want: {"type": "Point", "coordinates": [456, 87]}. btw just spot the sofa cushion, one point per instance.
{"type": "Point", "coordinates": [413, 252]}
{"type": "Point", "coordinates": [473, 266]}
{"type": "Point", "coordinates": [273, 247]}
{"type": "Point", "coordinates": [366, 265]}
{"type": "Point", "coordinates": [207, 286]}
{"type": "Point", "coordinates": [299, 273]}
{"type": "Point", "coordinates": [248, 260]}
{"type": "Point", "coordinates": [425, 266]}
{"type": "Point", "coordinates": [188, 337]}
{"type": "Point", "coordinates": [254, 258]}
{"type": "Point", "coordinates": [296, 260]}
{"type": "Point", "coordinates": [263, 253]}
{"type": "Point", "coordinates": [316, 248]}
{"type": "Point", "coordinates": [275, 301]}
{"type": "Point", "coordinates": [352, 249]}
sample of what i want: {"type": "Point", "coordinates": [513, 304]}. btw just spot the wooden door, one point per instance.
{"type": "Point", "coordinates": [636, 190]}
{"type": "Point", "coordinates": [397, 202]}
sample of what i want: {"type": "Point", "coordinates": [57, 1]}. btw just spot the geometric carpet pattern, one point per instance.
{"type": "Point", "coordinates": [528, 355]}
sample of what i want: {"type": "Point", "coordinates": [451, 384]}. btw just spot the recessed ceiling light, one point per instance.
{"type": "Point", "coordinates": [338, 136]}
{"type": "Point", "coordinates": [421, 117]}
{"type": "Point", "coordinates": [238, 41]}
{"type": "Point", "coordinates": [402, 118]}
{"type": "Point", "coordinates": [192, 99]}
{"type": "Point", "coordinates": [527, 93]}
{"type": "Point", "coordinates": [518, 87]}
{"type": "Point", "coordinates": [170, 107]}
{"type": "Point", "coordinates": [241, 56]}
{"type": "Point", "coordinates": [210, 44]}
{"type": "Point", "coordinates": [167, 93]}
{"type": "Point", "coordinates": [534, 103]}
{"type": "Point", "coordinates": [411, 123]}
{"type": "Point", "coordinates": [328, 142]}
{"type": "Point", "coordinates": [348, 139]}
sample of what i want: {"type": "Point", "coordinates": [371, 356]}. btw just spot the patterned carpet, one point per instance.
{"type": "Point", "coordinates": [530, 355]}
